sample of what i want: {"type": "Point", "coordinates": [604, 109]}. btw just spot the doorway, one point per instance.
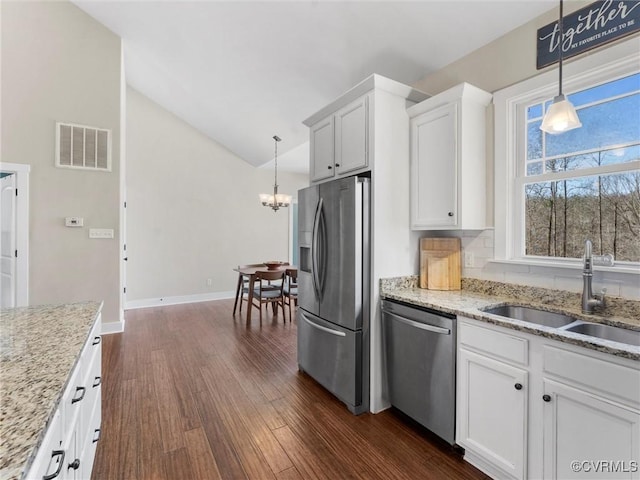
{"type": "Point", "coordinates": [14, 235]}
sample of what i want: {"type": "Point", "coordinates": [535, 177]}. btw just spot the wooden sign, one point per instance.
{"type": "Point", "coordinates": [590, 27]}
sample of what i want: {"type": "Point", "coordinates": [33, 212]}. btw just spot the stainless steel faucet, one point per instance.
{"type": "Point", "coordinates": [590, 301]}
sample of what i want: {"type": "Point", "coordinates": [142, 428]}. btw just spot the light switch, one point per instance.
{"type": "Point", "coordinates": [101, 233]}
{"type": "Point", "coordinates": [74, 221]}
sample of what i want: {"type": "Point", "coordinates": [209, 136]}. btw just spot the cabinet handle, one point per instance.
{"type": "Point", "coordinates": [546, 398]}
{"type": "Point", "coordinates": [337, 165]}
{"type": "Point", "coordinates": [97, 381]}
{"type": "Point", "coordinates": [95, 439]}
{"type": "Point", "coordinates": [329, 167]}
{"type": "Point", "coordinates": [96, 340]}
{"type": "Point", "coordinates": [82, 390]}
{"type": "Point", "coordinates": [75, 465]}
{"type": "Point", "coordinates": [56, 453]}
{"type": "Point", "coordinates": [450, 214]}
{"type": "Point", "coordinates": [518, 386]}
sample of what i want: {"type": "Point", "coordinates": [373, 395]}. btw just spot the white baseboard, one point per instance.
{"type": "Point", "coordinates": [112, 327]}
{"type": "Point", "coordinates": [484, 466]}
{"type": "Point", "coordinates": [158, 302]}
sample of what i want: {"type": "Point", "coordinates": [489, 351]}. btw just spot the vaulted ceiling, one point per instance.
{"type": "Point", "coordinates": [241, 72]}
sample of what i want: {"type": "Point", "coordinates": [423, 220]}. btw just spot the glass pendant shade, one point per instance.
{"type": "Point", "coordinates": [275, 200]}
{"type": "Point", "coordinates": [561, 117]}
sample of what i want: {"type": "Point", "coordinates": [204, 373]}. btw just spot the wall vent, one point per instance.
{"type": "Point", "coordinates": [80, 146]}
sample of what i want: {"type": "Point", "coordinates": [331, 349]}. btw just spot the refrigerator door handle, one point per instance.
{"type": "Point", "coordinates": [337, 333]}
{"type": "Point", "coordinates": [421, 326]}
{"type": "Point", "coordinates": [315, 250]}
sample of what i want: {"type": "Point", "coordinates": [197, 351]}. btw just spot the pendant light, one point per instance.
{"type": "Point", "coordinates": [275, 200]}
{"type": "Point", "coordinates": [561, 115]}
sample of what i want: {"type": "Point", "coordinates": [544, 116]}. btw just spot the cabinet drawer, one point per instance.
{"type": "Point", "coordinates": [496, 344]}
{"type": "Point", "coordinates": [92, 345]}
{"type": "Point", "coordinates": [602, 377]}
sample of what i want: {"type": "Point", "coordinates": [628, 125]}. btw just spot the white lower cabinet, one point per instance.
{"type": "Point", "coordinates": [493, 406]}
{"type": "Point", "coordinates": [69, 445]}
{"type": "Point", "coordinates": [532, 407]}
{"type": "Point", "coordinates": [587, 429]}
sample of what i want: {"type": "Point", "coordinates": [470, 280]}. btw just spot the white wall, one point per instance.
{"type": "Point", "coordinates": [58, 64]}
{"type": "Point", "coordinates": [508, 60]}
{"type": "Point", "coordinates": [193, 211]}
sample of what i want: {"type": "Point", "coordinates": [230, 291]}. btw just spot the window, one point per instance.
{"type": "Point", "coordinates": [583, 184]}
{"type": "Point", "coordinates": [552, 192]}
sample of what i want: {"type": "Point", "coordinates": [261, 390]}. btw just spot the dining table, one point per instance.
{"type": "Point", "coordinates": [250, 273]}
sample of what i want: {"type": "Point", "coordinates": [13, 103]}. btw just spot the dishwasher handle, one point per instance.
{"type": "Point", "coordinates": [421, 326]}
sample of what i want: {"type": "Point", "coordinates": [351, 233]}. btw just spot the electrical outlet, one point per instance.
{"type": "Point", "coordinates": [468, 259]}
{"type": "Point", "coordinates": [209, 282]}
{"type": "Point", "coordinates": [101, 233]}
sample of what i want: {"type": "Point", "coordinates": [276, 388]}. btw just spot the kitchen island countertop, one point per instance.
{"type": "Point", "coordinates": [470, 302]}
{"type": "Point", "coordinates": [39, 347]}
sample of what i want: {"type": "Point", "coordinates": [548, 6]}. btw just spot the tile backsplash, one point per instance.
{"type": "Point", "coordinates": [480, 243]}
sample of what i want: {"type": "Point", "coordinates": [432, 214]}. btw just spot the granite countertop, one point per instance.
{"type": "Point", "coordinates": [479, 294]}
{"type": "Point", "coordinates": [39, 347]}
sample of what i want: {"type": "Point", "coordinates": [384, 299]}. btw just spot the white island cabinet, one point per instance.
{"type": "Point", "coordinates": [448, 161]}
{"type": "Point", "coordinates": [532, 407]}
{"type": "Point", "coordinates": [69, 446]}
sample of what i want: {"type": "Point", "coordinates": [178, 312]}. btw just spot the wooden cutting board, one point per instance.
{"type": "Point", "coordinates": [440, 267]}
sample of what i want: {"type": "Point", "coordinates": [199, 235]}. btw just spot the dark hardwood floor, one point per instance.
{"type": "Point", "coordinates": [190, 392]}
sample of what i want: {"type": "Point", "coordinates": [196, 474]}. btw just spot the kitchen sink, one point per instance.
{"type": "Point", "coordinates": [532, 315]}
{"type": "Point", "coordinates": [606, 332]}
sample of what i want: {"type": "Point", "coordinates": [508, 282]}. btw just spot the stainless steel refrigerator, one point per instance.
{"type": "Point", "coordinates": [334, 286]}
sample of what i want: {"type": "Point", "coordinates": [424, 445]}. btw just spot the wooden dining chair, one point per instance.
{"type": "Point", "coordinates": [243, 285]}
{"type": "Point", "coordinates": [290, 289]}
{"type": "Point", "coordinates": [264, 292]}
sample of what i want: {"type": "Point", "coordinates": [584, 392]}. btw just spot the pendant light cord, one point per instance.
{"type": "Point", "coordinates": [276, 157]}
{"type": "Point", "coordinates": [560, 27]}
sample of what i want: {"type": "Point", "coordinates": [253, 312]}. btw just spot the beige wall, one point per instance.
{"type": "Point", "coordinates": [58, 64]}
{"type": "Point", "coordinates": [509, 59]}
{"type": "Point", "coordinates": [193, 211]}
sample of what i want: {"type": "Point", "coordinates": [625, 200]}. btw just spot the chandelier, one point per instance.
{"type": "Point", "coordinates": [275, 200]}
{"type": "Point", "coordinates": [561, 115]}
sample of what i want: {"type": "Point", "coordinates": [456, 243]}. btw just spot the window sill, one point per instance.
{"type": "Point", "coordinates": [625, 268]}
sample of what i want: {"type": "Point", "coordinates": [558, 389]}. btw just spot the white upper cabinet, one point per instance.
{"type": "Point", "coordinates": [339, 142]}
{"type": "Point", "coordinates": [342, 133]}
{"type": "Point", "coordinates": [322, 149]}
{"type": "Point", "coordinates": [352, 134]}
{"type": "Point", "coordinates": [448, 161]}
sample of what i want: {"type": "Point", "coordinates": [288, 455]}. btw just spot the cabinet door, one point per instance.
{"type": "Point", "coordinates": [492, 411]}
{"type": "Point", "coordinates": [352, 136]}
{"type": "Point", "coordinates": [434, 169]}
{"type": "Point", "coordinates": [322, 145]}
{"type": "Point", "coordinates": [603, 437]}
{"type": "Point", "coordinates": [49, 461]}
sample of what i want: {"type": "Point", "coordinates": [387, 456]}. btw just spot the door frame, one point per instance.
{"type": "Point", "coordinates": [21, 172]}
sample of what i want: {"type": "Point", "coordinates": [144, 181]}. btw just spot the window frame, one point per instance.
{"type": "Point", "coordinates": [617, 61]}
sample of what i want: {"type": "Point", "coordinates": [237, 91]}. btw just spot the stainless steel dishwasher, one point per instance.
{"type": "Point", "coordinates": [420, 356]}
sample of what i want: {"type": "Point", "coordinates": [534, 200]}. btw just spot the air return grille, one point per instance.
{"type": "Point", "coordinates": [79, 146]}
